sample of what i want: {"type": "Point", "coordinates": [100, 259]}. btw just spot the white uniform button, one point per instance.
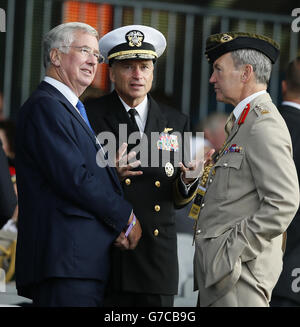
{"type": "Point", "coordinates": [202, 205]}
{"type": "Point", "coordinates": [198, 231]}
{"type": "Point", "coordinates": [225, 164]}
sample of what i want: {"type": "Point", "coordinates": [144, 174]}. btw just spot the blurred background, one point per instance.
{"type": "Point", "coordinates": [182, 73]}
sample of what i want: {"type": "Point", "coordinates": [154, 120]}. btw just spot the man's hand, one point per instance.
{"type": "Point", "coordinates": [131, 241]}
{"type": "Point", "coordinates": [122, 242]}
{"type": "Point", "coordinates": [124, 165]}
{"type": "Point", "coordinates": [195, 168]}
{"type": "Point", "coordinates": [135, 234]}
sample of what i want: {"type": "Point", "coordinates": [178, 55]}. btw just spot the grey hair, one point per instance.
{"type": "Point", "coordinates": [261, 64]}
{"type": "Point", "coordinates": [63, 35]}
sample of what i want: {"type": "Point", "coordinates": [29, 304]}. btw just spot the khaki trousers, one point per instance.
{"type": "Point", "coordinates": [246, 293]}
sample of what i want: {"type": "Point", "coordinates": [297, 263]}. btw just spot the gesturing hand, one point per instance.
{"type": "Point", "coordinates": [124, 165]}
{"type": "Point", "coordinates": [195, 168]}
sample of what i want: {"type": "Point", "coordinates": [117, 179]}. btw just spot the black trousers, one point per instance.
{"type": "Point", "coordinates": [129, 299]}
{"type": "Point", "coordinates": [69, 292]}
{"type": "Point", "coordinates": [278, 301]}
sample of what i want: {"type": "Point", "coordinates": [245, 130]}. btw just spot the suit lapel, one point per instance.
{"type": "Point", "coordinates": [62, 99]}
{"type": "Point", "coordinates": [234, 130]}
{"type": "Point", "coordinates": [156, 120]}
{"type": "Point", "coordinates": [116, 115]}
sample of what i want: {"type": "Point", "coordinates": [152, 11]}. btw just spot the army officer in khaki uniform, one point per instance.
{"type": "Point", "coordinates": [252, 191]}
{"type": "Point", "coordinates": [148, 276]}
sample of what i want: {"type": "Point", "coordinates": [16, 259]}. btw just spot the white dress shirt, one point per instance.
{"type": "Point", "coordinates": [142, 113]}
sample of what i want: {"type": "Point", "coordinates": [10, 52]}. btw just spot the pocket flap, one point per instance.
{"type": "Point", "coordinates": [231, 160]}
{"type": "Point", "coordinates": [217, 231]}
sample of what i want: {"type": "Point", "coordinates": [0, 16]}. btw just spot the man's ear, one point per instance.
{"type": "Point", "coordinates": [111, 74]}
{"type": "Point", "coordinates": [55, 57]}
{"type": "Point", "coordinates": [247, 73]}
{"type": "Point", "coordinates": [283, 87]}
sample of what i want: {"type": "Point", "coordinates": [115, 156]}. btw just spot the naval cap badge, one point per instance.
{"type": "Point", "coordinates": [135, 38]}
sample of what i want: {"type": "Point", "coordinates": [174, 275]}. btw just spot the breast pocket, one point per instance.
{"type": "Point", "coordinates": [226, 168]}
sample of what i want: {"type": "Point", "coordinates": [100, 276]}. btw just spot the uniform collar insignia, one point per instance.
{"type": "Point", "coordinates": [244, 114]}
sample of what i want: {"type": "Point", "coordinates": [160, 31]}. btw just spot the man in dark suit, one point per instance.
{"type": "Point", "coordinates": [147, 276]}
{"type": "Point", "coordinates": [8, 200]}
{"type": "Point", "coordinates": [71, 211]}
{"type": "Point", "coordinates": [287, 290]}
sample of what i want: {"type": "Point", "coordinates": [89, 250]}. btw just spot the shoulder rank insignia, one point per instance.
{"type": "Point", "coordinates": [262, 110]}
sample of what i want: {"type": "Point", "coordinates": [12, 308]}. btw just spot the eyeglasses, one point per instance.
{"type": "Point", "coordinates": [86, 51]}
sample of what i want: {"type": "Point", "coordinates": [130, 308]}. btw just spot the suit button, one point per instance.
{"type": "Point", "coordinates": [202, 205]}
{"type": "Point", "coordinates": [156, 232]}
{"type": "Point", "coordinates": [198, 231]}
{"type": "Point", "coordinates": [127, 181]}
{"type": "Point", "coordinates": [157, 183]}
{"type": "Point", "coordinates": [157, 208]}
{"type": "Point", "coordinates": [225, 164]}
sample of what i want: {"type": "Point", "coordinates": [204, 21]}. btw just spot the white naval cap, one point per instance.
{"type": "Point", "coordinates": [132, 42]}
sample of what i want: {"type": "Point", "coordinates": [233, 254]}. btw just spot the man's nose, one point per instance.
{"type": "Point", "coordinates": [136, 72]}
{"type": "Point", "coordinates": [212, 78]}
{"type": "Point", "coordinates": [91, 59]}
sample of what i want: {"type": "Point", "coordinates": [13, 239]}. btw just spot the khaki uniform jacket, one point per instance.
{"type": "Point", "coordinates": [251, 198]}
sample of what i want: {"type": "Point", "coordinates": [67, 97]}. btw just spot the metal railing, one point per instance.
{"type": "Point", "coordinates": [182, 73]}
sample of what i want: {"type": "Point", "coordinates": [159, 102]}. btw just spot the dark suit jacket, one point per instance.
{"type": "Point", "coordinates": [291, 258]}
{"type": "Point", "coordinates": [152, 267]}
{"type": "Point", "coordinates": [70, 210]}
{"type": "Point", "coordinates": [8, 200]}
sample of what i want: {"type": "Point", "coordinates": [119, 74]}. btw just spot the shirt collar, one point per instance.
{"type": "Point", "coordinates": [64, 89]}
{"type": "Point", "coordinates": [291, 104]}
{"type": "Point", "coordinates": [241, 106]}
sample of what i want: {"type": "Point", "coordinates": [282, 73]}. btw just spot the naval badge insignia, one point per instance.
{"type": "Point", "coordinates": [167, 130]}
{"type": "Point", "coordinates": [135, 38]}
{"type": "Point", "coordinates": [169, 169]}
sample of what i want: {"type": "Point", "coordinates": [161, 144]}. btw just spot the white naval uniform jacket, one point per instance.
{"type": "Point", "coordinates": [251, 198]}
